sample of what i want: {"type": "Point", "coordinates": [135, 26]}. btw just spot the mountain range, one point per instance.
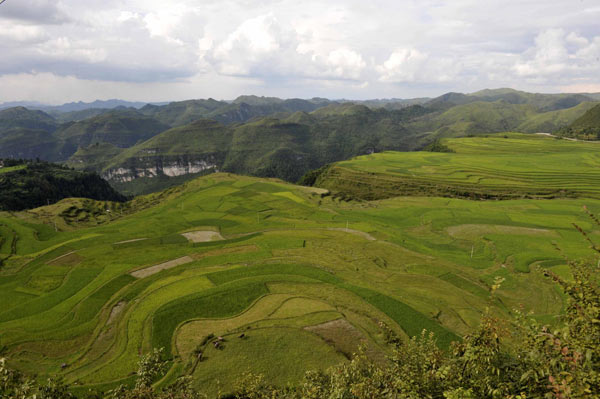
{"type": "Point", "coordinates": [145, 148]}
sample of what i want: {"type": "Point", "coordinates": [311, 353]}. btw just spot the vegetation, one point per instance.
{"type": "Point", "coordinates": [495, 167]}
{"type": "Point", "coordinates": [296, 267]}
{"type": "Point", "coordinates": [545, 363]}
{"type": "Point", "coordinates": [335, 285]}
{"type": "Point", "coordinates": [266, 136]}
{"type": "Point", "coordinates": [587, 127]}
{"type": "Point", "coordinates": [27, 184]}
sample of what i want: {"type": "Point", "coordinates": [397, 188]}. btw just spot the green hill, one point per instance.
{"type": "Point", "coordinates": [34, 184]}
{"type": "Point", "coordinates": [94, 157]}
{"type": "Point", "coordinates": [284, 274]}
{"type": "Point", "coordinates": [21, 117]}
{"type": "Point", "coordinates": [182, 112]}
{"type": "Point", "coordinates": [121, 128]}
{"type": "Point", "coordinates": [586, 127]}
{"type": "Point", "coordinates": [553, 121]}
{"type": "Point", "coordinates": [541, 102]}
{"type": "Point", "coordinates": [284, 148]}
{"type": "Point", "coordinates": [241, 109]}
{"type": "Point", "coordinates": [496, 167]}
{"type": "Point", "coordinates": [27, 143]}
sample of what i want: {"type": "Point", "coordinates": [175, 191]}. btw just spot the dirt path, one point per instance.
{"type": "Point", "coordinates": [60, 257]}
{"type": "Point", "coordinates": [568, 138]}
{"type": "Point", "coordinates": [126, 241]}
{"type": "Point", "coordinates": [148, 271]}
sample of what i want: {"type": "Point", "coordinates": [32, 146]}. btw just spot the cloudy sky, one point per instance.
{"type": "Point", "coordinates": [149, 50]}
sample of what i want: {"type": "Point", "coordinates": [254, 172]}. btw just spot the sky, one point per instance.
{"type": "Point", "coordinates": [148, 50]}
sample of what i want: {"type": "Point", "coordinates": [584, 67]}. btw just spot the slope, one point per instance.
{"type": "Point", "coordinates": [40, 183]}
{"type": "Point", "coordinates": [496, 167]}
{"type": "Point", "coordinates": [586, 127]}
{"type": "Point", "coordinates": [283, 274]}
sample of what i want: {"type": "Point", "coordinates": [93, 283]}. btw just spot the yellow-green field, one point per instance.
{"type": "Point", "coordinates": [285, 275]}
{"type": "Point", "coordinates": [501, 166]}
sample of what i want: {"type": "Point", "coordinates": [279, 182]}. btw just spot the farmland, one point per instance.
{"type": "Point", "coordinates": [502, 166]}
{"type": "Point", "coordinates": [239, 273]}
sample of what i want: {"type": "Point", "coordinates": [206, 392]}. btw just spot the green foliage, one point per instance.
{"type": "Point", "coordinates": [586, 127]}
{"type": "Point", "coordinates": [494, 167]}
{"type": "Point", "coordinates": [41, 183]}
{"type": "Point", "coordinates": [438, 146]}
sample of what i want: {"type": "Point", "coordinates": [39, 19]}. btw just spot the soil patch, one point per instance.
{"type": "Point", "coordinates": [340, 334]}
{"type": "Point", "coordinates": [202, 236]}
{"type": "Point", "coordinates": [115, 311]}
{"type": "Point", "coordinates": [69, 259]}
{"type": "Point", "coordinates": [148, 271]}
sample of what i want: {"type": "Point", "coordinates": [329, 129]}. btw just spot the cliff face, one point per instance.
{"type": "Point", "coordinates": [154, 166]}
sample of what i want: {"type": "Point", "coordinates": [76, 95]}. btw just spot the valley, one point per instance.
{"type": "Point", "coordinates": [232, 273]}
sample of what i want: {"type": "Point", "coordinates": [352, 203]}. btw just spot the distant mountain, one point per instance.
{"type": "Point", "coordinates": [541, 102]}
{"type": "Point", "coordinates": [242, 109]}
{"type": "Point", "coordinates": [266, 136]}
{"type": "Point", "coordinates": [80, 105]}
{"type": "Point", "coordinates": [271, 147]}
{"type": "Point", "coordinates": [21, 117]}
{"type": "Point", "coordinates": [25, 185]}
{"type": "Point", "coordinates": [24, 143]}
{"type": "Point", "coordinates": [27, 104]}
{"type": "Point", "coordinates": [552, 121]}
{"type": "Point", "coordinates": [33, 134]}
{"type": "Point", "coordinates": [182, 112]}
{"type": "Point", "coordinates": [586, 127]}
{"type": "Point", "coordinates": [121, 128]}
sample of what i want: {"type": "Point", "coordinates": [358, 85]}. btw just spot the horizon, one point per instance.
{"type": "Point", "coordinates": [42, 104]}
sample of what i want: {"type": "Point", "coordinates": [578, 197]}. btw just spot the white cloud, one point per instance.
{"type": "Point", "coordinates": [337, 48]}
{"type": "Point", "coordinates": [345, 63]}
{"type": "Point", "coordinates": [263, 47]}
{"type": "Point", "coordinates": [412, 65]}
{"type": "Point", "coordinates": [558, 55]}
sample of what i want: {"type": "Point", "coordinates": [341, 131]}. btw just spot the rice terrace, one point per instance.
{"type": "Point", "coordinates": [231, 274]}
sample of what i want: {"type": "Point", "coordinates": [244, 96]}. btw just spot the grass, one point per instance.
{"type": "Point", "coordinates": [292, 260]}
{"type": "Point", "coordinates": [11, 168]}
{"type": "Point", "coordinates": [293, 350]}
{"type": "Point", "coordinates": [499, 166]}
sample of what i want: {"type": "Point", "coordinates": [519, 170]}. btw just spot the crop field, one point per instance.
{"type": "Point", "coordinates": [231, 274]}
{"type": "Point", "coordinates": [501, 166]}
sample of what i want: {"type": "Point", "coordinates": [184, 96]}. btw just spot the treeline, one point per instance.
{"type": "Point", "coordinates": [39, 183]}
{"type": "Point", "coordinates": [524, 360]}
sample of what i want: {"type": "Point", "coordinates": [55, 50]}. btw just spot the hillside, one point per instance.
{"type": "Point", "coordinates": [540, 102]}
{"type": "Point", "coordinates": [269, 147]}
{"type": "Point", "coordinates": [121, 128]}
{"type": "Point", "coordinates": [290, 270]}
{"type": "Point", "coordinates": [267, 136]}
{"type": "Point", "coordinates": [241, 109]}
{"type": "Point", "coordinates": [496, 167]}
{"type": "Point", "coordinates": [24, 143]}
{"type": "Point", "coordinates": [553, 121]}
{"type": "Point", "coordinates": [21, 117]}
{"type": "Point", "coordinates": [26, 185]}
{"type": "Point", "coordinates": [586, 127]}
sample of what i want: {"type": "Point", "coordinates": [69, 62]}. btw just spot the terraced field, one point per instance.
{"type": "Point", "coordinates": [501, 166]}
{"type": "Point", "coordinates": [238, 273]}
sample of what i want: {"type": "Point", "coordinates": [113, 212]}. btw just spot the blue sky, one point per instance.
{"type": "Point", "coordinates": [147, 50]}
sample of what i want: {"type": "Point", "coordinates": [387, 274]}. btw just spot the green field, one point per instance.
{"type": "Point", "coordinates": [299, 279]}
{"type": "Point", "coordinates": [501, 166]}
